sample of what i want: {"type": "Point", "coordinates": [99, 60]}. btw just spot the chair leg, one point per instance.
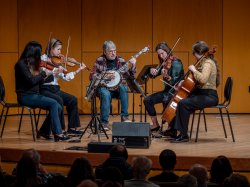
{"type": "Point", "coordinates": [230, 125]}
{"type": "Point", "coordinates": [223, 124]}
{"type": "Point", "coordinates": [5, 118]}
{"type": "Point", "coordinates": [204, 118]}
{"type": "Point", "coordinates": [32, 125]}
{"type": "Point", "coordinates": [198, 125]}
{"type": "Point", "coordinates": [191, 130]}
{"type": "Point", "coordinates": [2, 115]}
{"type": "Point", "coordinates": [35, 118]}
{"type": "Point", "coordinates": [38, 118]}
{"type": "Point", "coordinates": [20, 121]}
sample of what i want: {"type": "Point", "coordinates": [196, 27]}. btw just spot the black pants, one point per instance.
{"type": "Point", "coordinates": [64, 99]}
{"type": "Point", "coordinates": [199, 99]}
{"type": "Point", "coordinates": [158, 97]}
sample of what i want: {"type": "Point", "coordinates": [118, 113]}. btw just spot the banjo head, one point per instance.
{"type": "Point", "coordinates": [112, 84]}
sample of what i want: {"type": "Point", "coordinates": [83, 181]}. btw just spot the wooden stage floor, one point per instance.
{"type": "Point", "coordinates": [210, 144]}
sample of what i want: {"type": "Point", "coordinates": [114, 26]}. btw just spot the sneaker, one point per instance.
{"type": "Point", "coordinates": [105, 127]}
{"type": "Point", "coordinates": [125, 119]}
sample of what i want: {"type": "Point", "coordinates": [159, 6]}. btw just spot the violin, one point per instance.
{"type": "Point", "coordinates": [60, 60]}
{"type": "Point", "coordinates": [50, 66]}
{"type": "Point", "coordinates": [168, 60]}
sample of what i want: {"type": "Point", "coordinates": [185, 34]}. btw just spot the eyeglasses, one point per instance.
{"type": "Point", "coordinates": [111, 51]}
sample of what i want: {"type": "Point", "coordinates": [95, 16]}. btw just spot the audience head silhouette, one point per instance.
{"type": "Point", "coordinates": [119, 151]}
{"type": "Point", "coordinates": [188, 180]}
{"type": "Point", "coordinates": [141, 167]}
{"type": "Point", "coordinates": [220, 169]}
{"type": "Point", "coordinates": [236, 180]}
{"type": "Point", "coordinates": [167, 159]}
{"type": "Point", "coordinates": [81, 169]}
{"type": "Point", "coordinates": [200, 172]}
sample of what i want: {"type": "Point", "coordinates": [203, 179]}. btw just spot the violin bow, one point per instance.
{"type": "Point", "coordinates": [67, 52]}
{"type": "Point", "coordinates": [48, 45]}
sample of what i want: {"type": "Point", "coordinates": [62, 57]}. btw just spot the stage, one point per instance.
{"type": "Point", "coordinates": [210, 144]}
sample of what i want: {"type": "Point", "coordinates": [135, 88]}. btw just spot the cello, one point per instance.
{"type": "Point", "coordinates": [183, 91]}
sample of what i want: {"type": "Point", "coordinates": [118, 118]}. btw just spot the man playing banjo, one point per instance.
{"type": "Point", "coordinates": [113, 70]}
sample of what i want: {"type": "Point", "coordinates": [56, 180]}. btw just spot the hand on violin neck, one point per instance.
{"type": "Point", "coordinates": [82, 66]}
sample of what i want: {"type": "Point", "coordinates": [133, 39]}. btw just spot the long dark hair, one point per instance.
{"type": "Point", "coordinates": [201, 48]}
{"type": "Point", "coordinates": [32, 55]}
{"type": "Point", "coordinates": [220, 169]}
{"type": "Point", "coordinates": [164, 46]}
{"type": "Point", "coordinates": [81, 169]}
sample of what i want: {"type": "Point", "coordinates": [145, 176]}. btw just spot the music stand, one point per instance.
{"type": "Point", "coordinates": [142, 78]}
{"type": "Point", "coordinates": [135, 87]}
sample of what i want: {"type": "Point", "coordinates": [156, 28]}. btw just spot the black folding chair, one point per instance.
{"type": "Point", "coordinates": [224, 105]}
{"type": "Point", "coordinates": [7, 106]}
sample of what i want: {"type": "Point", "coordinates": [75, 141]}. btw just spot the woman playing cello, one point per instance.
{"type": "Point", "coordinates": [206, 75]}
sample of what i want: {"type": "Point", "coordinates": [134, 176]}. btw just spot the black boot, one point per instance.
{"type": "Point", "coordinates": [170, 133]}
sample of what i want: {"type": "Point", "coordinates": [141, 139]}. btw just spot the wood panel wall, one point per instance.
{"type": "Point", "coordinates": [131, 25]}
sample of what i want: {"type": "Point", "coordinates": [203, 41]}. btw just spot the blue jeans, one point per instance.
{"type": "Point", "coordinates": [64, 99]}
{"type": "Point", "coordinates": [106, 97]}
{"type": "Point", "coordinates": [39, 101]}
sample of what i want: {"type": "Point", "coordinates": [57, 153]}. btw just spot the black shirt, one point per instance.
{"type": "Point", "coordinates": [26, 83]}
{"type": "Point", "coordinates": [111, 64]}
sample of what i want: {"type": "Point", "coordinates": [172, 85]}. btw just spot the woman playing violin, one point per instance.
{"type": "Point", "coordinates": [206, 74]}
{"type": "Point", "coordinates": [172, 72]}
{"type": "Point", "coordinates": [51, 88]}
{"type": "Point", "coordinates": [28, 79]}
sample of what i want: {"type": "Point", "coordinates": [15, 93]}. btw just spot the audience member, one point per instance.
{"type": "Point", "coordinates": [26, 173]}
{"type": "Point", "coordinates": [57, 180]}
{"type": "Point", "coordinates": [236, 180]}
{"type": "Point", "coordinates": [167, 160]}
{"type": "Point", "coordinates": [35, 156]}
{"type": "Point", "coordinates": [118, 156]}
{"type": "Point", "coordinates": [220, 169]}
{"type": "Point", "coordinates": [87, 183]}
{"type": "Point", "coordinates": [141, 168]}
{"type": "Point", "coordinates": [80, 170]}
{"type": "Point", "coordinates": [112, 174]}
{"type": "Point", "coordinates": [200, 172]}
{"type": "Point", "coordinates": [187, 180]}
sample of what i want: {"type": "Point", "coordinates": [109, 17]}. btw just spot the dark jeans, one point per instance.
{"type": "Point", "coordinates": [64, 99]}
{"type": "Point", "coordinates": [40, 101]}
{"type": "Point", "coordinates": [199, 99]}
{"type": "Point", "coordinates": [158, 97]}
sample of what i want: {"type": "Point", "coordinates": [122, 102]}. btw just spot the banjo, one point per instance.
{"type": "Point", "coordinates": [112, 84]}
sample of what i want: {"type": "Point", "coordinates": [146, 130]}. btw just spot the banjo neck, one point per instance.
{"type": "Point", "coordinates": [144, 50]}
